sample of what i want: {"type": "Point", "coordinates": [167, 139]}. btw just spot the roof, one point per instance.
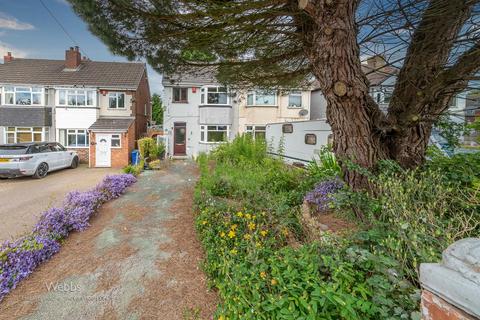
{"type": "Point", "coordinates": [111, 124]}
{"type": "Point", "coordinates": [125, 75]}
{"type": "Point", "coordinates": [376, 76]}
{"type": "Point", "coordinates": [192, 75]}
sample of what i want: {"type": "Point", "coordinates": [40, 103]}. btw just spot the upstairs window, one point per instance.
{"type": "Point", "coordinates": [214, 95]}
{"type": "Point", "coordinates": [25, 96]}
{"type": "Point", "coordinates": [116, 100]}
{"type": "Point", "coordinates": [76, 98]}
{"type": "Point", "coordinates": [295, 99]}
{"type": "Point", "coordinates": [180, 95]}
{"type": "Point", "coordinates": [261, 98]}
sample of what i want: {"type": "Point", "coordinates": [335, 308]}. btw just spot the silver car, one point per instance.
{"type": "Point", "coordinates": [35, 159]}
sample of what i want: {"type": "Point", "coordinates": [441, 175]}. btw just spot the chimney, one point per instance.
{"type": "Point", "coordinates": [376, 62]}
{"type": "Point", "coordinates": [73, 58]}
{"type": "Point", "coordinates": [8, 57]}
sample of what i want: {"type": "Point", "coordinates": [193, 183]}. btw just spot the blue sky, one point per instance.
{"type": "Point", "coordinates": [28, 30]}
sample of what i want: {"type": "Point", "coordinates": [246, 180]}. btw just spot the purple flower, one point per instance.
{"type": "Point", "coordinates": [321, 195]}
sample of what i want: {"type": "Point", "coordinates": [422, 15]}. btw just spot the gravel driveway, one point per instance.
{"type": "Point", "coordinates": [22, 200]}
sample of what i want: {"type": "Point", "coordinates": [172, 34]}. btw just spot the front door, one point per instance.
{"type": "Point", "coordinates": [102, 150]}
{"type": "Point", "coordinates": [179, 139]}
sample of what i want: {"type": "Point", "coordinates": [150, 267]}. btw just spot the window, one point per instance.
{"type": "Point", "coordinates": [214, 95]}
{"type": "Point", "coordinates": [214, 133]}
{"type": "Point", "coordinates": [76, 98]}
{"type": "Point", "coordinates": [25, 134]}
{"type": "Point", "coordinates": [25, 96]}
{"type": "Point", "coordinates": [74, 138]}
{"type": "Point", "coordinates": [261, 98]}
{"type": "Point", "coordinates": [311, 138]}
{"type": "Point", "coordinates": [116, 100]}
{"type": "Point", "coordinates": [287, 128]}
{"type": "Point", "coordinates": [453, 102]}
{"type": "Point", "coordinates": [180, 95]}
{"type": "Point", "coordinates": [295, 99]}
{"type": "Point", "coordinates": [257, 132]}
{"type": "Point", "coordinates": [115, 141]}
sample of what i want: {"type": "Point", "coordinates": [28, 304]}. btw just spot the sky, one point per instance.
{"type": "Point", "coordinates": [29, 31]}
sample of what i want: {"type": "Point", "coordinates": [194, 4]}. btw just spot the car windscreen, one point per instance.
{"type": "Point", "coordinates": [12, 150]}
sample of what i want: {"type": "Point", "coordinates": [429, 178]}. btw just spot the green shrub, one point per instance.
{"type": "Point", "coordinates": [242, 148]}
{"type": "Point", "coordinates": [133, 169]}
{"type": "Point", "coordinates": [149, 149]}
{"type": "Point", "coordinates": [461, 168]}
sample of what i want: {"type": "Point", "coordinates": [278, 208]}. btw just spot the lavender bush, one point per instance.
{"type": "Point", "coordinates": [321, 196]}
{"type": "Point", "coordinates": [18, 259]}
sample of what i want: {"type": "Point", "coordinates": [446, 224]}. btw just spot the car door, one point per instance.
{"type": "Point", "coordinates": [55, 156]}
{"type": "Point", "coordinates": [66, 156]}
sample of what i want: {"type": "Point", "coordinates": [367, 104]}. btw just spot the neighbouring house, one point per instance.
{"type": "Point", "coordinates": [200, 112]}
{"type": "Point", "coordinates": [98, 109]}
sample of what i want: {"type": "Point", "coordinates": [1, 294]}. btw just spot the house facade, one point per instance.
{"type": "Point", "coordinates": [96, 108]}
{"type": "Point", "coordinates": [200, 113]}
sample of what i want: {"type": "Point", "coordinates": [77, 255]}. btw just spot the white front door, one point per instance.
{"type": "Point", "coordinates": [103, 150]}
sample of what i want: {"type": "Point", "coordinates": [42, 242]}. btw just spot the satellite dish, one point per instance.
{"type": "Point", "coordinates": [303, 112]}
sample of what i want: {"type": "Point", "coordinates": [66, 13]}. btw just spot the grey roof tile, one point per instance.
{"type": "Point", "coordinates": [114, 124]}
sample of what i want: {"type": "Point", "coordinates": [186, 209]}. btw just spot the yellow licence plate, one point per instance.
{"type": "Point", "coordinates": [4, 160]}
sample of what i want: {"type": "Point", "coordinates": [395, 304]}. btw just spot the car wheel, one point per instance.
{"type": "Point", "coordinates": [74, 163]}
{"type": "Point", "coordinates": [42, 171]}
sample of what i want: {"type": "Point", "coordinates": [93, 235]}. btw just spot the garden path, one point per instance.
{"type": "Point", "coordinates": [138, 260]}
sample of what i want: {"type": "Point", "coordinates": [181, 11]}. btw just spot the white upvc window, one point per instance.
{"type": "Point", "coordinates": [261, 98]}
{"type": "Point", "coordinates": [26, 134]}
{"type": "Point", "coordinates": [116, 141]}
{"type": "Point", "coordinates": [214, 95]}
{"type": "Point", "coordinates": [295, 99]}
{"type": "Point", "coordinates": [76, 98]}
{"type": "Point", "coordinates": [257, 132]}
{"type": "Point", "coordinates": [73, 138]}
{"type": "Point", "coordinates": [23, 96]}
{"type": "Point", "coordinates": [116, 100]}
{"type": "Point", "coordinates": [214, 133]}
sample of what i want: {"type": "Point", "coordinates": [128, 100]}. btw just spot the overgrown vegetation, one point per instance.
{"type": "Point", "coordinates": [264, 267]}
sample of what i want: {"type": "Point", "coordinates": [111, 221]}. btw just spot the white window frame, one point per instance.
{"type": "Point", "coordinates": [17, 89]}
{"type": "Point", "coordinates": [262, 92]}
{"type": "Point", "coordinates": [68, 132]}
{"type": "Point", "coordinates": [204, 133]}
{"type": "Point", "coordinates": [76, 92]}
{"type": "Point", "coordinates": [119, 139]}
{"type": "Point", "coordinates": [254, 128]}
{"type": "Point", "coordinates": [296, 93]}
{"type": "Point", "coordinates": [44, 132]}
{"type": "Point", "coordinates": [116, 94]}
{"type": "Point", "coordinates": [204, 95]}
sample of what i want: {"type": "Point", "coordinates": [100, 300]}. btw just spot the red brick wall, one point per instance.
{"type": "Point", "coordinates": [435, 308]}
{"type": "Point", "coordinates": [82, 154]}
{"type": "Point", "coordinates": [142, 97]}
{"type": "Point", "coordinates": [120, 157]}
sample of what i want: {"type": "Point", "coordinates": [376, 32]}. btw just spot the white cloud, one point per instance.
{"type": "Point", "coordinates": [8, 22]}
{"type": "Point", "coordinates": [16, 53]}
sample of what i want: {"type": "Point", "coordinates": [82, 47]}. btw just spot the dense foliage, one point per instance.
{"type": "Point", "coordinates": [264, 267]}
{"type": "Point", "coordinates": [19, 259]}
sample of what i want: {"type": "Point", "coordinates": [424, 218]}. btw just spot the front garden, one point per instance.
{"type": "Point", "coordinates": [267, 262]}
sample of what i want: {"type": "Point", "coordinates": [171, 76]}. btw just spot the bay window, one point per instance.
{"type": "Point", "coordinates": [25, 134]}
{"type": "Point", "coordinates": [214, 95]}
{"type": "Point", "coordinates": [24, 96]}
{"type": "Point", "coordinates": [261, 98]}
{"type": "Point", "coordinates": [214, 134]}
{"type": "Point", "coordinates": [295, 99]}
{"type": "Point", "coordinates": [79, 98]}
{"type": "Point", "coordinates": [116, 100]}
{"type": "Point", "coordinates": [257, 132]}
{"type": "Point", "coordinates": [73, 138]}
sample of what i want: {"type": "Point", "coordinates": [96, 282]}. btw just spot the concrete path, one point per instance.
{"type": "Point", "coordinates": [22, 200]}
{"type": "Point", "coordinates": [139, 260]}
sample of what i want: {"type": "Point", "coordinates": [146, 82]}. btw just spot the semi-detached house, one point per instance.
{"type": "Point", "coordinates": [98, 109]}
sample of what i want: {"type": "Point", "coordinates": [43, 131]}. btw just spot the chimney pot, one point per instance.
{"type": "Point", "coordinates": [8, 57]}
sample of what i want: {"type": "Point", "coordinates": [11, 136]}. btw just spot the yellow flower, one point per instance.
{"type": "Point", "coordinates": [204, 222]}
{"type": "Point", "coordinates": [285, 232]}
{"type": "Point", "coordinates": [263, 274]}
{"type": "Point", "coordinates": [222, 234]}
{"type": "Point", "coordinates": [273, 282]}
{"type": "Point", "coordinates": [233, 251]}
{"type": "Point", "coordinates": [254, 217]}
{"type": "Point", "coordinates": [248, 216]}
{"type": "Point", "coordinates": [234, 226]}
{"type": "Point", "coordinates": [239, 214]}
{"type": "Point", "coordinates": [221, 318]}
{"type": "Point", "coordinates": [247, 236]}
{"type": "Point", "coordinates": [251, 226]}
{"type": "Point", "coordinates": [258, 244]}
{"type": "Point", "coordinates": [231, 234]}
{"type": "Point", "coordinates": [263, 233]}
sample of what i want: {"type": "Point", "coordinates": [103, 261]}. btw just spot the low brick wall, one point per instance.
{"type": "Point", "coordinates": [435, 308]}
{"type": "Point", "coordinates": [82, 154]}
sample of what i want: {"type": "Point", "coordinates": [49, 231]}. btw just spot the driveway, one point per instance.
{"type": "Point", "coordinates": [139, 259]}
{"type": "Point", "coordinates": [22, 200]}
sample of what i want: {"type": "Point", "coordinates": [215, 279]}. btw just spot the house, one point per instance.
{"type": "Point", "coordinates": [96, 108]}
{"type": "Point", "coordinates": [200, 112]}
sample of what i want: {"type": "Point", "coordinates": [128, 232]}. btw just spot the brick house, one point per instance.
{"type": "Point", "coordinates": [98, 109]}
